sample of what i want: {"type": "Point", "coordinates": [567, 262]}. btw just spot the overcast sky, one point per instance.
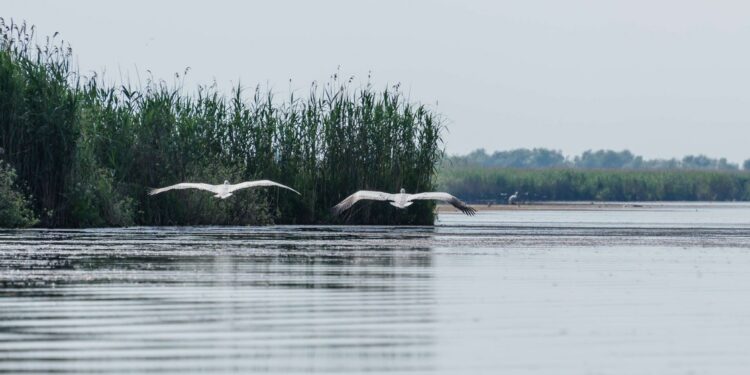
{"type": "Point", "coordinates": [661, 78]}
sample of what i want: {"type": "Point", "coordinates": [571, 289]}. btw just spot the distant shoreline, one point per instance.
{"type": "Point", "coordinates": [593, 206]}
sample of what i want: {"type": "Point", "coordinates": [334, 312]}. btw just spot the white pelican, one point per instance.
{"type": "Point", "coordinates": [513, 199]}
{"type": "Point", "coordinates": [400, 200]}
{"type": "Point", "coordinates": [222, 191]}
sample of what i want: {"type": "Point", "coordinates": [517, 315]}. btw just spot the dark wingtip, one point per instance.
{"type": "Point", "coordinates": [468, 210]}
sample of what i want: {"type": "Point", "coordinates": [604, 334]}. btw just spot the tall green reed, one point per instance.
{"type": "Point", "coordinates": [90, 150]}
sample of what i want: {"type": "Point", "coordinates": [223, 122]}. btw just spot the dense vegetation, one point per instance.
{"type": "Point", "coordinates": [87, 151]}
{"type": "Point", "coordinates": [495, 184]}
{"type": "Point", "coordinates": [600, 159]}
{"type": "Point", "coordinates": [542, 174]}
{"type": "Point", "coordinates": [15, 210]}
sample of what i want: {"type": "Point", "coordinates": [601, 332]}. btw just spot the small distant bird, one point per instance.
{"type": "Point", "coordinates": [400, 200]}
{"type": "Point", "coordinates": [513, 199]}
{"type": "Point", "coordinates": [222, 191]}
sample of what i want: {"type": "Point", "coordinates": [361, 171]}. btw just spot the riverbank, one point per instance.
{"type": "Point", "coordinates": [595, 206]}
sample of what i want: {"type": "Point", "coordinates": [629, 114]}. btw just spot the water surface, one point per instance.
{"type": "Point", "coordinates": [654, 290]}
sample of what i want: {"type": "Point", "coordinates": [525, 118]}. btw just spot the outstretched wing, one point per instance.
{"type": "Point", "coordinates": [185, 185]}
{"type": "Point", "coordinates": [249, 184]}
{"type": "Point", "coordinates": [447, 198]}
{"type": "Point", "coordinates": [358, 196]}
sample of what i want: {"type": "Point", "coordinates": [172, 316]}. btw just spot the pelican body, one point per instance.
{"type": "Point", "coordinates": [400, 200]}
{"type": "Point", "coordinates": [223, 190]}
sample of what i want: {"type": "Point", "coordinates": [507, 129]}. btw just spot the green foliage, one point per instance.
{"type": "Point", "coordinates": [600, 159]}
{"type": "Point", "coordinates": [518, 158]}
{"type": "Point", "coordinates": [38, 115]}
{"type": "Point", "coordinates": [92, 199]}
{"type": "Point", "coordinates": [15, 209]}
{"type": "Point", "coordinates": [90, 151]}
{"type": "Point", "coordinates": [488, 184]}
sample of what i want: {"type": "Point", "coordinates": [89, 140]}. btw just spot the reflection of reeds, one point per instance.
{"type": "Point", "coordinates": [88, 150]}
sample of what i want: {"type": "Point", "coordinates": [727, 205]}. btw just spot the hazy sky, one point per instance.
{"type": "Point", "coordinates": [661, 78]}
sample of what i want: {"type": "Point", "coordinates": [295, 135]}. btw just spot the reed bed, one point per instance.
{"type": "Point", "coordinates": [87, 151]}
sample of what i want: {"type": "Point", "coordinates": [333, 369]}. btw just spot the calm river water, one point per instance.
{"type": "Point", "coordinates": [661, 289]}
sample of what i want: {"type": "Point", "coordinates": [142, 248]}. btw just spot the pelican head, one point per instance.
{"type": "Point", "coordinates": [226, 182]}
{"type": "Point", "coordinates": [403, 191]}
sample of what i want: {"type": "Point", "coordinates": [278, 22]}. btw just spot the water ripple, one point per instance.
{"type": "Point", "coordinates": [530, 295]}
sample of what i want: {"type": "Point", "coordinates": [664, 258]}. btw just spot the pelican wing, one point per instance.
{"type": "Point", "coordinates": [447, 198]}
{"type": "Point", "coordinates": [358, 196]}
{"type": "Point", "coordinates": [249, 184]}
{"type": "Point", "coordinates": [186, 185]}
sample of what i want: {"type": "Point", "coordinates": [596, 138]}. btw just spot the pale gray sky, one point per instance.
{"type": "Point", "coordinates": [661, 78]}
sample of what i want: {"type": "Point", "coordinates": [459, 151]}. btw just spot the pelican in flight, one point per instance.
{"type": "Point", "coordinates": [400, 200]}
{"type": "Point", "coordinates": [222, 191]}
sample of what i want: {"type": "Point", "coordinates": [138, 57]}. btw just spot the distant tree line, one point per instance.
{"type": "Point", "coordinates": [536, 158]}
{"type": "Point", "coordinates": [480, 184]}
